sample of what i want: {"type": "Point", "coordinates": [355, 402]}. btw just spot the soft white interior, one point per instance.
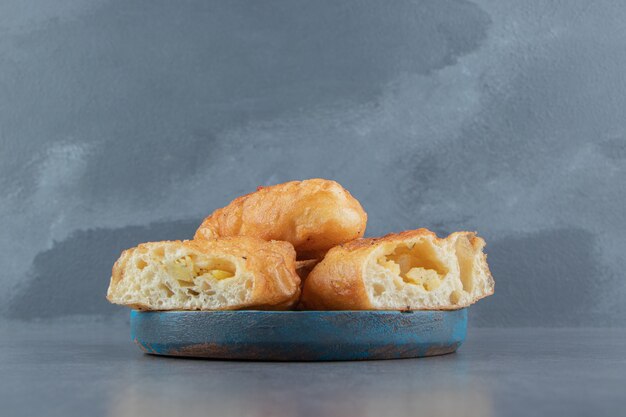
{"type": "Point", "coordinates": [168, 277]}
{"type": "Point", "coordinates": [420, 274]}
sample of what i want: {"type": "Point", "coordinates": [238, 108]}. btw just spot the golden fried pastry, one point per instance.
{"type": "Point", "coordinates": [314, 215]}
{"type": "Point", "coordinates": [412, 270]}
{"type": "Point", "coordinates": [225, 274]}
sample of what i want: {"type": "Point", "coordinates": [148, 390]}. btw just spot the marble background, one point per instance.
{"type": "Point", "coordinates": [122, 122]}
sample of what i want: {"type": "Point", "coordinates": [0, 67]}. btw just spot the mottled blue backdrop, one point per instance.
{"type": "Point", "coordinates": [122, 122]}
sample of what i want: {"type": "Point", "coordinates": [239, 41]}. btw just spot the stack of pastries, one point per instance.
{"type": "Point", "coordinates": [300, 245]}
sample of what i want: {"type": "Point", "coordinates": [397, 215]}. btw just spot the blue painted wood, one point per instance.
{"type": "Point", "coordinates": [299, 335]}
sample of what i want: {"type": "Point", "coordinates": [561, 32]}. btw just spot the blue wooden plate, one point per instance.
{"type": "Point", "coordinates": [299, 335]}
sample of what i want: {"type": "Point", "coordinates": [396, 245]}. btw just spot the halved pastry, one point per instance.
{"type": "Point", "coordinates": [314, 215]}
{"type": "Point", "coordinates": [412, 270]}
{"type": "Point", "coordinates": [224, 274]}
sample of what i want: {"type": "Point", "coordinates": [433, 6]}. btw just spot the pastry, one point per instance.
{"type": "Point", "coordinates": [225, 274]}
{"type": "Point", "coordinates": [313, 215]}
{"type": "Point", "coordinates": [412, 270]}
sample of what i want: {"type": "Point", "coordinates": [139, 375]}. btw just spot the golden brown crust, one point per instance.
{"type": "Point", "coordinates": [276, 283]}
{"type": "Point", "coordinates": [337, 283]}
{"type": "Point", "coordinates": [364, 244]}
{"type": "Point", "coordinates": [313, 215]}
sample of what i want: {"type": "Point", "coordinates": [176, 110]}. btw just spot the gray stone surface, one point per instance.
{"type": "Point", "coordinates": [85, 369]}
{"type": "Point", "coordinates": [129, 121]}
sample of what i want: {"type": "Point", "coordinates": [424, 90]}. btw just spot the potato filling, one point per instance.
{"type": "Point", "coordinates": [221, 274]}
{"type": "Point", "coordinates": [428, 278]}
{"type": "Point", "coordinates": [417, 264]}
{"type": "Point", "coordinates": [186, 269]}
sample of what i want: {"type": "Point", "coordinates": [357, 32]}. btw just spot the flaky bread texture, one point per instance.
{"type": "Point", "coordinates": [225, 274]}
{"type": "Point", "coordinates": [313, 215]}
{"type": "Point", "coordinates": [412, 270]}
